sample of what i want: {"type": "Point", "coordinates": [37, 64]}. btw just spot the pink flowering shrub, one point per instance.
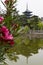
{"type": "Point", "coordinates": [5, 34]}
{"type": "Point", "coordinates": [8, 28]}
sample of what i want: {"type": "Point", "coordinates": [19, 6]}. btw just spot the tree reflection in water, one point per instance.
{"type": "Point", "coordinates": [25, 47]}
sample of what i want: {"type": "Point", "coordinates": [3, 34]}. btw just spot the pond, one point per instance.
{"type": "Point", "coordinates": [36, 59]}
{"type": "Point", "coordinates": [26, 52]}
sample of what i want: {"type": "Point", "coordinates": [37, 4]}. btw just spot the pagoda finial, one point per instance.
{"type": "Point", "coordinates": [27, 7]}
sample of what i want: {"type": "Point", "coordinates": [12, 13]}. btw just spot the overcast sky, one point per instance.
{"type": "Point", "coordinates": [36, 6]}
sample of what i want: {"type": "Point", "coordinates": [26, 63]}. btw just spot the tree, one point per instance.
{"type": "Point", "coordinates": [40, 25]}
{"type": "Point", "coordinates": [33, 22]}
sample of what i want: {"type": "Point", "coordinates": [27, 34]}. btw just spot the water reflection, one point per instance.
{"type": "Point", "coordinates": [36, 59]}
{"type": "Point", "coordinates": [25, 47]}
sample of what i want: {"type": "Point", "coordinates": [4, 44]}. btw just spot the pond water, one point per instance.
{"type": "Point", "coordinates": [28, 52]}
{"type": "Point", "coordinates": [36, 59]}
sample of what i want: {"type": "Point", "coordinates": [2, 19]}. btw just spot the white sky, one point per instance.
{"type": "Point", "coordinates": [36, 6]}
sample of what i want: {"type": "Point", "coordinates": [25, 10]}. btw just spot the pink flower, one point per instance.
{"type": "Point", "coordinates": [5, 30]}
{"type": "Point", "coordinates": [6, 34]}
{"type": "Point", "coordinates": [1, 19]}
{"type": "Point", "coordinates": [9, 37]}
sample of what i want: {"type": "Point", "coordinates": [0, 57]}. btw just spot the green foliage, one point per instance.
{"type": "Point", "coordinates": [11, 16]}
{"type": "Point", "coordinates": [4, 63]}
{"type": "Point", "coordinates": [33, 21]}
{"type": "Point", "coordinates": [8, 21]}
{"type": "Point", "coordinates": [40, 25]}
{"type": "Point", "coordinates": [26, 29]}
